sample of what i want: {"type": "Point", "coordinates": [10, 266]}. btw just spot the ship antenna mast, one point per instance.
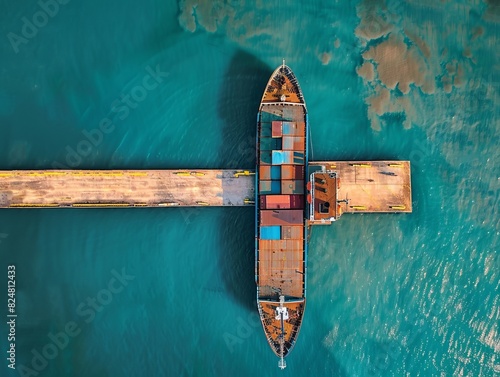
{"type": "Point", "coordinates": [282, 315]}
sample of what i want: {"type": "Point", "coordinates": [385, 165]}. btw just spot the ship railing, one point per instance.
{"type": "Point", "coordinates": [286, 103]}
{"type": "Point", "coordinates": [289, 300]}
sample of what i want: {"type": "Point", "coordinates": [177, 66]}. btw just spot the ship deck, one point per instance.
{"type": "Point", "coordinates": [125, 188]}
{"type": "Point", "coordinates": [281, 265]}
{"type": "Point", "coordinates": [283, 87]}
{"type": "Point", "coordinates": [291, 326]}
{"type": "Point", "coordinates": [282, 148]}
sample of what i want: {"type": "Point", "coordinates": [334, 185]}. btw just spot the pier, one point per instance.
{"type": "Point", "coordinates": [125, 188]}
{"type": "Point", "coordinates": [338, 187]}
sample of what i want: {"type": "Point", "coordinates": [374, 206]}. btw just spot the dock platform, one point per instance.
{"type": "Point", "coordinates": [358, 187]}
{"type": "Point", "coordinates": [346, 186]}
{"type": "Point", "coordinates": [125, 188]}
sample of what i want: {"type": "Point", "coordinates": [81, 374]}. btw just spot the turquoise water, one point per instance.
{"type": "Point", "coordinates": [388, 295]}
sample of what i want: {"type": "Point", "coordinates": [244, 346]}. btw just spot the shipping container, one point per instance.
{"type": "Point", "coordinates": [270, 232]}
{"type": "Point", "coordinates": [301, 128]}
{"type": "Point", "coordinates": [296, 201]}
{"type": "Point", "coordinates": [275, 202]}
{"type": "Point", "coordinates": [265, 129]}
{"type": "Point", "coordinates": [269, 172]}
{"type": "Point", "coordinates": [294, 143]}
{"type": "Point", "coordinates": [265, 172]}
{"type": "Point", "coordinates": [298, 158]}
{"type": "Point", "coordinates": [269, 144]}
{"type": "Point", "coordinates": [293, 129]}
{"type": "Point", "coordinates": [292, 172]}
{"type": "Point", "coordinates": [292, 187]}
{"type": "Point", "coordinates": [281, 217]}
{"type": "Point", "coordinates": [276, 128]}
{"type": "Point", "coordinates": [277, 157]}
{"type": "Point", "coordinates": [269, 187]}
{"type": "Point", "coordinates": [276, 173]}
{"type": "Point", "coordinates": [287, 142]}
{"type": "Point", "coordinates": [288, 128]}
{"type": "Point", "coordinates": [287, 157]}
{"type": "Point", "coordinates": [265, 157]}
{"type": "Point", "coordinates": [292, 233]}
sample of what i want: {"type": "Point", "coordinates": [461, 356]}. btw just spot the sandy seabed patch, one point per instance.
{"type": "Point", "coordinates": [398, 65]}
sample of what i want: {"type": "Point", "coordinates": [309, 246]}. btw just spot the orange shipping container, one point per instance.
{"type": "Point", "coordinates": [292, 172]}
{"type": "Point", "coordinates": [294, 143]}
{"type": "Point", "coordinates": [265, 172]}
{"type": "Point", "coordinates": [277, 201]}
{"type": "Point", "coordinates": [292, 232]}
{"type": "Point", "coordinates": [295, 201]}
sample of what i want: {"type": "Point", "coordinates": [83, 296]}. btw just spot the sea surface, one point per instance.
{"type": "Point", "coordinates": [171, 292]}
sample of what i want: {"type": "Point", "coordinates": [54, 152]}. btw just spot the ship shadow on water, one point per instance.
{"type": "Point", "coordinates": [238, 104]}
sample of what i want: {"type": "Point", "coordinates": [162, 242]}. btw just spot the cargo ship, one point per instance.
{"type": "Point", "coordinates": [280, 211]}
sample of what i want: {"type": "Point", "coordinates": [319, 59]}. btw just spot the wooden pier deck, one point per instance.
{"type": "Point", "coordinates": [370, 186]}
{"type": "Point", "coordinates": [125, 188]}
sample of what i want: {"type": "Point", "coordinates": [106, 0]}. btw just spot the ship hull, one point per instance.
{"type": "Point", "coordinates": [281, 231]}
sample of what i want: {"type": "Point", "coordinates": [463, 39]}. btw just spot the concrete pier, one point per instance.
{"type": "Point", "coordinates": [369, 186]}
{"type": "Point", "coordinates": [357, 187]}
{"type": "Point", "coordinates": [125, 188]}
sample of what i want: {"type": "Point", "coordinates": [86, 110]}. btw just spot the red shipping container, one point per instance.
{"type": "Point", "coordinates": [282, 217]}
{"type": "Point", "coordinates": [297, 201]}
{"type": "Point", "coordinates": [277, 130]}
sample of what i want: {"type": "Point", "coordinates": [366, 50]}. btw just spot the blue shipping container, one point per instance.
{"type": "Point", "coordinates": [265, 157]}
{"type": "Point", "coordinates": [289, 128]}
{"type": "Point", "coordinates": [269, 187]}
{"type": "Point", "coordinates": [298, 157]}
{"type": "Point", "coordinates": [275, 187]}
{"type": "Point", "coordinates": [277, 157]}
{"type": "Point", "coordinates": [269, 144]}
{"type": "Point", "coordinates": [270, 232]}
{"type": "Point", "coordinates": [282, 157]}
{"type": "Point", "coordinates": [265, 130]}
{"type": "Point", "coordinates": [276, 172]}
